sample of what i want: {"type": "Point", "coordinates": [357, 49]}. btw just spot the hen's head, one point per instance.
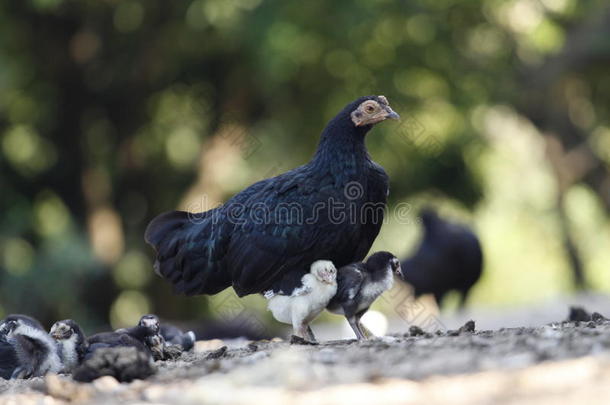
{"type": "Point", "coordinates": [370, 110]}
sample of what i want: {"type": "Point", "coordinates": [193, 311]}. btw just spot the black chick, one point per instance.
{"type": "Point", "coordinates": [26, 351]}
{"type": "Point", "coordinates": [175, 336]}
{"type": "Point", "coordinates": [25, 319]}
{"type": "Point", "coordinates": [71, 343]}
{"type": "Point", "coordinates": [125, 363]}
{"type": "Point", "coordinates": [169, 337]}
{"type": "Point", "coordinates": [123, 355]}
{"type": "Point", "coordinates": [8, 357]}
{"type": "Point", "coordinates": [147, 331]}
{"type": "Point", "coordinates": [448, 258]}
{"type": "Point", "coordinates": [230, 245]}
{"type": "Point", "coordinates": [360, 284]}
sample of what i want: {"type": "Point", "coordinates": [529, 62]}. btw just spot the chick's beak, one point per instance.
{"type": "Point", "coordinates": [60, 334]}
{"type": "Point", "coordinates": [399, 271]}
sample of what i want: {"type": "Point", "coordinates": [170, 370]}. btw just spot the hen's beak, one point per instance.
{"type": "Point", "coordinates": [391, 114]}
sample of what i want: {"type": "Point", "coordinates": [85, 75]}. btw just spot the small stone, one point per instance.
{"type": "Point", "coordinates": [598, 318]}
{"type": "Point", "coordinates": [416, 331]}
{"type": "Point", "coordinates": [216, 354]}
{"type": "Point", "coordinates": [467, 327]}
{"type": "Point", "coordinates": [65, 389]}
{"type": "Point", "coordinates": [106, 384]}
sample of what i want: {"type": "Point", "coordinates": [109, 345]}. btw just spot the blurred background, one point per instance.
{"type": "Point", "coordinates": [112, 112]}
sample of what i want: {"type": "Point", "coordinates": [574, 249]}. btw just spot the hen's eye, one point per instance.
{"type": "Point", "coordinates": [370, 108]}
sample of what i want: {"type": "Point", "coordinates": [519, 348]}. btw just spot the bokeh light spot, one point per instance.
{"type": "Point", "coordinates": [128, 308]}
{"type": "Point", "coordinates": [52, 216]}
{"type": "Point", "coordinates": [106, 233]}
{"type": "Point", "coordinates": [17, 256]}
{"type": "Point", "coordinates": [27, 152]}
{"type": "Point", "coordinates": [182, 147]}
{"type": "Point", "coordinates": [133, 270]}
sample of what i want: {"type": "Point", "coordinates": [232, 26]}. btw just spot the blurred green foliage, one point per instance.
{"type": "Point", "coordinates": [114, 111]}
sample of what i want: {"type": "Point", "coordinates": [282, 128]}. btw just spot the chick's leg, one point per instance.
{"type": "Point", "coordinates": [353, 322]}
{"type": "Point", "coordinates": [363, 329]}
{"type": "Point", "coordinates": [299, 326]}
{"type": "Point", "coordinates": [310, 336]}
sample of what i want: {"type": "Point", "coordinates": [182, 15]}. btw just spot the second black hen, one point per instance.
{"type": "Point", "coordinates": [449, 258]}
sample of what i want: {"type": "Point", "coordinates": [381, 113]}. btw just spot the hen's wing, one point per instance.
{"type": "Point", "coordinates": [281, 230]}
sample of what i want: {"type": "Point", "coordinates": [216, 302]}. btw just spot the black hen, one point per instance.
{"type": "Point", "coordinates": [267, 236]}
{"type": "Point", "coordinates": [449, 258]}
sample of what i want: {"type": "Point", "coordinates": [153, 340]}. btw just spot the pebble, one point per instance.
{"type": "Point", "coordinates": [106, 384]}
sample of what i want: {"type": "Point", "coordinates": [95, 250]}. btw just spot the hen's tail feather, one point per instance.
{"type": "Point", "coordinates": [187, 251]}
{"type": "Point", "coordinates": [163, 224]}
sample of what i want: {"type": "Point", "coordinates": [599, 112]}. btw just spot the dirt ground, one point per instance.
{"type": "Point", "coordinates": [562, 362]}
